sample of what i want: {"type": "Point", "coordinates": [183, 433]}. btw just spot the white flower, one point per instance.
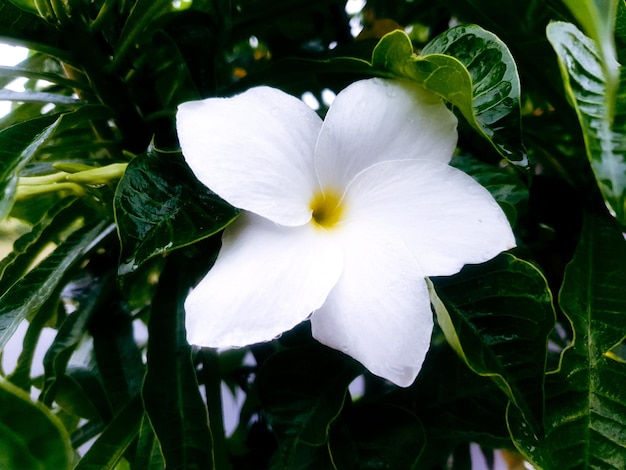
{"type": "Point", "coordinates": [344, 219]}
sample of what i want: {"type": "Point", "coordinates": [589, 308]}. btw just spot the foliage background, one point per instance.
{"type": "Point", "coordinates": [528, 354]}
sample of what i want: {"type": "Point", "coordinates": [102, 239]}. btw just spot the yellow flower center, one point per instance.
{"type": "Point", "coordinates": [327, 208]}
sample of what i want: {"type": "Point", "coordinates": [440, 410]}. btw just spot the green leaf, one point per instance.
{"type": "Point", "coordinates": [587, 86]}
{"type": "Point", "coordinates": [586, 399]}
{"type": "Point", "coordinates": [303, 390]}
{"type": "Point", "coordinates": [18, 145]}
{"type": "Point", "coordinates": [160, 206]}
{"type": "Point", "coordinates": [497, 316]}
{"type": "Point", "coordinates": [597, 17]}
{"type": "Point", "coordinates": [455, 407]}
{"type": "Point", "coordinates": [473, 70]}
{"type": "Point", "coordinates": [30, 436]}
{"type": "Point", "coordinates": [142, 15]}
{"type": "Point", "coordinates": [87, 295]}
{"type": "Point", "coordinates": [378, 436]}
{"type": "Point", "coordinates": [170, 390]}
{"type": "Point", "coordinates": [29, 29]}
{"type": "Point", "coordinates": [108, 449]}
{"type": "Point", "coordinates": [27, 295]}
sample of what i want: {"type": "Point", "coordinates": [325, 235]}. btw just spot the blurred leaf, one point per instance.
{"type": "Point", "coordinates": [30, 436]}
{"type": "Point", "coordinates": [11, 73]}
{"type": "Point", "coordinates": [143, 14]}
{"type": "Point", "coordinates": [108, 449]}
{"type": "Point", "coordinates": [31, 30]}
{"type": "Point", "coordinates": [473, 70]}
{"type": "Point", "coordinates": [302, 391]}
{"type": "Point", "coordinates": [21, 375]}
{"type": "Point", "coordinates": [166, 68]}
{"type": "Point", "coordinates": [39, 96]}
{"type": "Point", "coordinates": [586, 85]}
{"type": "Point", "coordinates": [377, 436]}
{"type": "Point", "coordinates": [86, 298]}
{"type": "Point", "coordinates": [504, 184]}
{"type": "Point", "coordinates": [585, 398]}
{"type": "Point", "coordinates": [497, 316]}
{"type": "Point", "coordinates": [30, 292]}
{"type": "Point", "coordinates": [597, 17]}
{"type": "Point", "coordinates": [18, 145]}
{"type": "Point", "coordinates": [170, 390]}
{"type": "Point", "coordinates": [160, 206]}
{"type": "Point", "coordinates": [455, 407]}
{"type": "Point", "coordinates": [29, 246]}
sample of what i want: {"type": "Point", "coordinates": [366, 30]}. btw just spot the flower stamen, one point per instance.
{"type": "Point", "coordinates": [327, 209]}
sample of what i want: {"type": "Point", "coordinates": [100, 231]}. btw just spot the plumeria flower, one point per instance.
{"type": "Point", "coordinates": [343, 219]}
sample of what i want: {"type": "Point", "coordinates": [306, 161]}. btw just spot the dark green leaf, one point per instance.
{"type": "Point", "coordinates": [148, 455]}
{"type": "Point", "coordinates": [497, 316]}
{"type": "Point", "coordinates": [160, 206]}
{"type": "Point", "coordinates": [586, 399]}
{"type": "Point", "coordinates": [377, 436]}
{"type": "Point", "coordinates": [303, 390]}
{"type": "Point", "coordinates": [108, 449]}
{"type": "Point", "coordinates": [170, 391]}
{"type": "Point", "coordinates": [472, 69]}
{"type": "Point", "coordinates": [30, 436]}
{"type": "Point", "coordinates": [603, 123]}
{"type": "Point", "coordinates": [87, 294]}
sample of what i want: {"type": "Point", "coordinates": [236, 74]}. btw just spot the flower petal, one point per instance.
{"type": "Point", "coordinates": [376, 120]}
{"type": "Point", "coordinates": [266, 280]}
{"type": "Point", "coordinates": [445, 218]}
{"type": "Point", "coordinates": [379, 311]}
{"type": "Point", "coordinates": [254, 150]}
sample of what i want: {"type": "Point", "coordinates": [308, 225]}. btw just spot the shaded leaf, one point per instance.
{"type": "Point", "coordinates": [71, 332]}
{"type": "Point", "coordinates": [30, 436]}
{"type": "Point", "coordinates": [473, 70]}
{"type": "Point", "coordinates": [160, 206]}
{"type": "Point", "coordinates": [585, 398]}
{"type": "Point", "coordinates": [302, 390]}
{"type": "Point", "coordinates": [108, 449]}
{"type": "Point", "coordinates": [497, 316]}
{"type": "Point", "coordinates": [604, 133]}
{"type": "Point", "coordinates": [377, 436]}
{"type": "Point", "coordinates": [170, 390]}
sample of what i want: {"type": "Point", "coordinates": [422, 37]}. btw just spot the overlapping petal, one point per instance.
{"type": "Point", "coordinates": [266, 280]}
{"type": "Point", "coordinates": [376, 120]}
{"type": "Point", "coordinates": [379, 311]}
{"type": "Point", "coordinates": [445, 218]}
{"type": "Point", "coordinates": [254, 150]}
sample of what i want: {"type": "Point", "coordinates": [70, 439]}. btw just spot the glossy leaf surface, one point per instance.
{"type": "Point", "coordinates": [604, 131]}
{"type": "Point", "coordinates": [472, 69]}
{"type": "Point", "coordinates": [160, 206]}
{"type": "Point", "coordinates": [585, 398]}
{"type": "Point", "coordinates": [497, 316]}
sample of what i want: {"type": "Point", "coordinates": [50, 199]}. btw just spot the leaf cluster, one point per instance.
{"type": "Point", "coordinates": [104, 230]}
